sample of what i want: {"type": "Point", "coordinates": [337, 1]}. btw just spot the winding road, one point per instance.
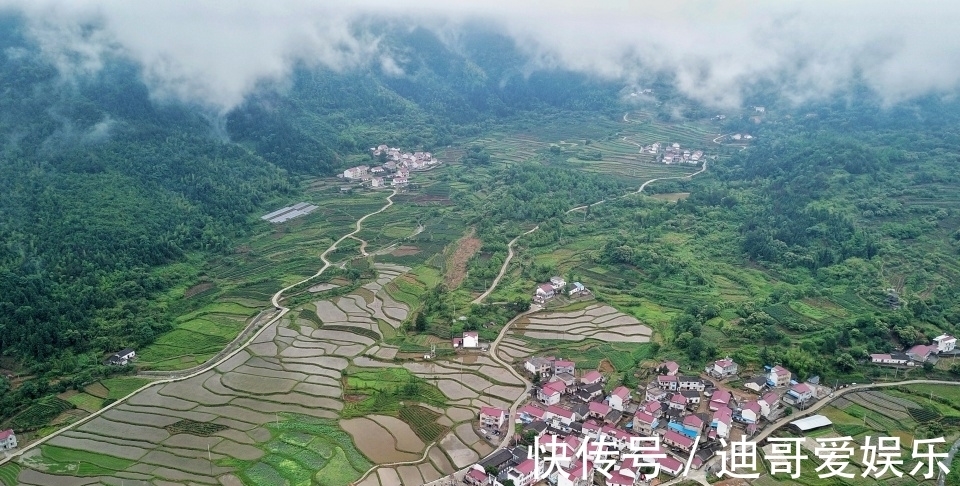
{"type": "Point", "coordinates": [213, 362]}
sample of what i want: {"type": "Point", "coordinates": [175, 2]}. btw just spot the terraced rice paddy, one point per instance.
{"type": "Point", "coordinates": [271, 414]}
{"type": "Point", "coordinates": [600, 322]}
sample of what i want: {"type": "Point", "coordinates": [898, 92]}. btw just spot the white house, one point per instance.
{"type": "Point", "coordinates": [545, 291]}
{"type": "Point", "coordinates": [7, 440]}
{"type": "Point", "coordinates": [945, 343]}
{"type": "Point", "coordinates": [399, 181]}
{"type": "Point", "coordinates": [899, 359]}
{"type": "Point", "coordinates": [644, 423]}
{"type": "Point", "coordinates": [550, 393]}
{"type": "Point", "coordinates": [539, 366]}
{"type": "Point", "coordinates": [376, 182]}
{"type": "Point", "coordinates": [769, 403]}
{"type": "Point", "coordinates": [577, 288]}
{"type": "Point", "coordinates": [356, 172]}
{"type": "Point", "coordinates": [471, 339]}
{"type": "Point", "coordinates": [670, 465]}
{"type": "Point", "coordinates": [722, 420]}
{"type": "Point", "coordinates": [492, 417]}
{"type": "Point", "coordinates": [723, 368]}
{"type": "Point", "coordinates": [778, 376]}
{"type": "Point", "coordinates": [525, 473]}
{"type": "Point", "coordinates": [799, 393]}
{"type": "Point", "coordinates": [667, 382]}
{"type": "Point", "coordinates": [618, 398]}
{"type": "Point", "coordinates": [720, 399]}
{"type": "Point", "coordinates": [750, 412]}
{"type": "Point", "coordinates": [563, 366]}
{"type": "Point", "coordinates": [122, 358]}
{"type": "Point", "coordinates": [591, 377]}
{"type": "Point", "coordinates": [557, 283]}
{"type": "Point", "coordinates": [691, 383]}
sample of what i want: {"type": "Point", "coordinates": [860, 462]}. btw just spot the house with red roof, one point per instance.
{"type": "Point", "coordinates": [668, 382]}
{"type": "Point", "coordinates": [525, 473]}
{"type": "Point", "coordinates": [644, 423]}
{"type": "Point", "coordinates": [769, 403]}
{"type": "Point", "coordinates": [530, 412]}
{"type": "Point", "coordinates": [653, 408]}
{"type": "Point", "coordinates": [575, 474]}
{"type": "Point", "coordinates": [921, 352]}
{"type": "Point", "coordinates": [778, 376]}
{"type": "Point", "coordinates": [677, 440]}
{"type": "Point", "coordinates": [475, 477]}
{"type": "Point", "coordinates": [560, 414]}
{"type": "Point", "coordinates": [597, 410]}
{"type": "Point", "coordinates": [544, 291]}
{"type": "Point", "coordinates": [591, 377]}
{"type": "Point", "coordinates": [591, 430]}
{"type": "Point", "coordinates": [670, 466]}
{"type": "Point", "coordinates": [550, 393]}
{"type": "Point", "coordinates": [750, 412]}
{"type": "Point", "coordinates": [492, 417]}
{"type": "Point", "coordinates": [677, 402]}
{"type": "Point", "coordinates": [563, 366]}
{"type": "Point", "coordinates": [8, 440]}
{"type": "Point", "coordinates": [619, 437]}
{"type": "Point", "coordinates": [618, 398]}
{"type": "Point", "coordinates": [720, 399]}
{"type": "Point", "coordinates": [722, 421]}
{"type": "Point", "coordinates": [799, 394]}
{"type": "Point", "coordinates": [669, 368]}
{"type": "Point", "coordinates": [722, 368]}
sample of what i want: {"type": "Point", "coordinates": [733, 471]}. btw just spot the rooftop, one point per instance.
{"type": "Point", "coordinates": [811, 422]}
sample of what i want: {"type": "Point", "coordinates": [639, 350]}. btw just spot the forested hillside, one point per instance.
{"type": "Point", "coordinates": [104, 186]}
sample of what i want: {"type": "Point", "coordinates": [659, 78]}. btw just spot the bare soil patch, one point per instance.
{"type": "Point", "coordinates": [457, 263]}
{"type": "Point", "coordinates": [606, 367]}
{"type": "Point", "coordinates": [405, 250]}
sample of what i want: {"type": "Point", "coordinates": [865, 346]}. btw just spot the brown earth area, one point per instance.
{"type": "Point", "coordinates": [196, 289]}
{"type": "Point", "coordinates": [457, 263]}
{"type": "Point", "coordinates": [405, 251]}
{"type": "Point", "coordinates": [606, 367]}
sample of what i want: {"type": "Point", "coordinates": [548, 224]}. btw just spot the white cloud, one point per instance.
{"type": "Point", "coordinates": [218, 52]}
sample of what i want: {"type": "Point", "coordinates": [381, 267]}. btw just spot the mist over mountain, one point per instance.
{"type": "Point", "coordinates": [216, 54]}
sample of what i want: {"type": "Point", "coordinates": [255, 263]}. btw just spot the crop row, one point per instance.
{"type": "Point", "coordinates": [40, 413]}
{"type": "Point", "coordinates": [423, 422]}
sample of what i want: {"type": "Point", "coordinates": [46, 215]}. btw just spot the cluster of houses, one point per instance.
{"type": "Point", "coordinates": [396, 168]}
{"type": "Point", "coordinates": [557, 286]}
{"type": "Point", "coordinates": [919, 354]}
{"type": "Point", "coordinates": [741, 136]}
{"type": "Point", "coordinates": [681, 410]}
{"type": "Point", "coordinates": [673, 154]}
{"type": "Point", "coordinates": [7, 440]}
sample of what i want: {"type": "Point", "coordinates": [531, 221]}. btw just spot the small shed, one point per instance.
{"type": "Point", "coordinates": [810, 423]}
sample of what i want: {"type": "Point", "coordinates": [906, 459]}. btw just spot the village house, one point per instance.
{"type": "Point", "coordinates": [557, 283]}
{"type": "Point", "coordinates": [469, 340]}
{"type": "Point", "coordinates": [356, 172]}
{"type": "Point", "coordinates": [898, 359]}
{"type": "Point", "coordinates": [654, 408]}
{"type": "Point", "coordinates": [921, 352]}
{"type": "Point", "coordinates": [721, 423]}
{"type": "Point", "coordinates": [559, 416]}
{"type": "Point", "coordinates": [691, 383]}
{"type": "Point", "coordinates": [778, 377]}
{"type": "Point", "coordinates": [8, 440]}
{"type": "Point", "coordinates": [550, 393]}
{"type": "Point", "coordinates": [492, 417]}
{"type": "Point", "coordinates": [377, 170]}
{"type": "Point", "coordinates": [376, 182]}
{"type": "Point", "coordinates": [945, 343]}
{"type": "Point", "coordinates": [122, 358]}
{"type": "Point", "coordinates": [525, 473]}
{"type": "Point", "coordinates": [750, 412]}
{"type": "Point", "coordinates": [668, 368]}
{"type": "Point", "coordinates": [677, 441]}
{"type": "Point", "coordinates": [654, 393]}
{"type": "Point", "coordinates": [563, 366]}
{"type": "Point", "coordinates": [769, 404]}
{"type": "Point", "coordinates": [577, 288]}
{"type": "Point", "coordinates": [668, 382]}
{"type": "Point", "coordinates": [618, 398]}
{"type": "Point", "coordinates": [691, 396]}
{"type": "Point", "coordinates": [799, 394]}
{"type": "Point", "coordinates": [644, 423]}
{"type": "Point", "coordinates": [598, 410]}
{"type": "Point", "coordinates": [399, 181]}
{"type": "Point", "coordinates": [530, 413]}
{"type": "Point", "coordinates": [539, 366]}
{"type": "Point", "coordinates": [670, 466]}
{"type": "Point", "coordinates": [544, 292]}
{"type": "Point", "coordinates": [720, 399]}
{"type": "Point", "coordinates": [677, 402]}
{"type": "Point", "coordinates": [476, 477]}
{"type": "Point", "coordinates": [590, 392]}
{"type": "Point", "coordinates": [591, 377]}
{"type": "Point", "coordinates": [756, 384]}
{"type": "Point", "coordinates": [619, 437]}
{"type": "Point", "coordinates": [722, 368]}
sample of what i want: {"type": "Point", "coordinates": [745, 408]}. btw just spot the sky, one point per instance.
{"type": "Point", "coordinates": [217, 53]}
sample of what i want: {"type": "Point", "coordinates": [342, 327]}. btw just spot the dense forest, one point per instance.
{"type": "Point", "coordinates": [105, 186]}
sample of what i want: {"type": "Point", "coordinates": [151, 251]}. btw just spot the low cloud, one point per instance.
{"type": "Point", "coordinates": [216, 53]}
